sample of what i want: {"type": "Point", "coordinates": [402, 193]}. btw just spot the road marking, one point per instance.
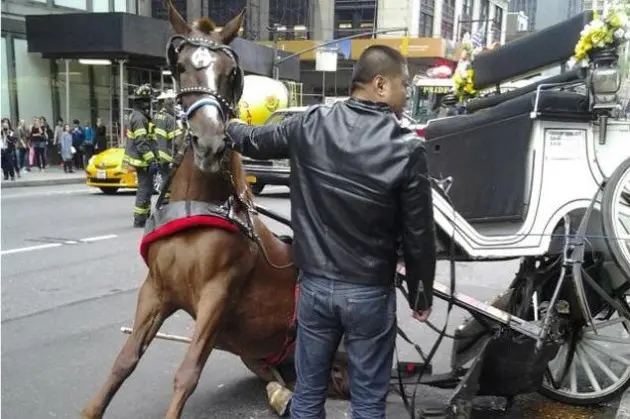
{"type": "Point", "coordinates": [7, 195]}
{"type": "Point", "coordinates": [30, 248]}
{"type": "Point", "coordinates": [51, 245]}
{"type": "Point", "coordinates": [98, 238]}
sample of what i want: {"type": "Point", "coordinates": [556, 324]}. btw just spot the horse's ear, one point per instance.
{"type": "Point", "coordinates": [230, 30]}
{"type": "Point", "coordinates": [177, 21]}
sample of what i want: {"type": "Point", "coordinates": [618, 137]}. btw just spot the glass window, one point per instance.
{"type": "Point", "coordinates": [100, 6]}
{"type": "Point", "coordinates": [79, 91]}
{"type": "Point", "coordinates": [73, 4]}
{"type": "Point", "coordinates": [5, 104]}
{"type": "Point", "coordinates": [120, 6]}
{"type": "Point", "coordinates": [425, 28]}
{"type": "Point", "coordinates": [33, 82]}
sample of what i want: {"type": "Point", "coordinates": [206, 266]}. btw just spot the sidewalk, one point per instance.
{"type": "Point", "coordinates": [49, 177]}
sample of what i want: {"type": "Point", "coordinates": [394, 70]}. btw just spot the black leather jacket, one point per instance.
{"type": "Point", "coordinates": [359, 185]}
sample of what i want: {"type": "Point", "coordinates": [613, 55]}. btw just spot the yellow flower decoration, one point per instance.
{"type": "Point", "coordinates": [605, 32]}
{"type": "Point", "coordinates": [463, 79]}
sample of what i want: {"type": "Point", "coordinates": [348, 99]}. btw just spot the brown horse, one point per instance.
{"type": "Point", "coordinates": [222, 278]}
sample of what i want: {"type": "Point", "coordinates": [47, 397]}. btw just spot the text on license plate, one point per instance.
{"type": "Point", "coordinates": [101, 174]}
{"type": "Point", "coordinates": [250, 179]}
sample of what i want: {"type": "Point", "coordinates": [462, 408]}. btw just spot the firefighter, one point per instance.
{"type": "Point", "coordinates": [166, 131]}
{"type": "Point", "coordinates": [141, 152]}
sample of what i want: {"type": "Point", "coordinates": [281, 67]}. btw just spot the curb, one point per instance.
{"type": "Point", "coordinates": [623, 412]}
{"type": "Point", "coordinates": [41, 182]}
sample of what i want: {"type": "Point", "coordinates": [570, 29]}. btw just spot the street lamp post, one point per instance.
{"type": "Point", "coordinates": [276, 62]}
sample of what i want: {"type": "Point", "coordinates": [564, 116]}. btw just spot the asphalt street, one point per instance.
{"type": "Point", "coordinates": [70, 273]}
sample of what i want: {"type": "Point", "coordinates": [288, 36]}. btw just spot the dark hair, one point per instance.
{"type": "Point", "coordinates": [377, 60]}
{"type": "Point", "coordinates": [8, 121]}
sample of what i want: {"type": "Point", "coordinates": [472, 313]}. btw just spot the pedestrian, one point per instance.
{"type": "Point", "coordinates": [65, 143]}
{"type": "Point", "coordinates": [50, 139]}
{"type": "Point", "coordinates": [38, 139]}
{"type": "Point", "coordinates": [77, 142]}
{"type": "Point", "coordinates": [101, 136]}
{"type": "Point", "coordinates": [141, 153]}
{"type": "Point", "coordinates": [9, 142]}
{"type": "Point", "coordinates": [89, 143]}
{"type": "Point", "coordinates": [23, 148]}
{"type": "Point", "coordinates": [359, 189]}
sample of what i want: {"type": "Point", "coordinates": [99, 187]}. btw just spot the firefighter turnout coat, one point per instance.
{"type": "Point", "coordinates": [166, 130]}
{"type": "Point", "coordinates": [141, 148]}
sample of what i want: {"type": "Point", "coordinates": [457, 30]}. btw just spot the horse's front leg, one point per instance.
{"type": "Point", "coordinates": [212, 305]}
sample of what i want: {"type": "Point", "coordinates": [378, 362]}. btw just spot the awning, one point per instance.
{"type": "Point", "coordinates": [135, 38]}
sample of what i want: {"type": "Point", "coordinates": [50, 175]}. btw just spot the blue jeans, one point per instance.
{"type": "Point", "coordinates": [365, 316]}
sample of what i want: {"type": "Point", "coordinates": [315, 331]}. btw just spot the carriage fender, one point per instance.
{"type": "Point", "coordinates": [576, 211]}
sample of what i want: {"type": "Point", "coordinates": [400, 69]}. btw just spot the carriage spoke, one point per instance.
{"type": "Point", "coordinates": [594, 358]}
{"type": "Point", "coordinates": [603, 338]}
{"type": "Point", "coordinates": [607, 353]}
{"type": "Point", "coordinates": [587, 369]}
{"type": "Point", "coordinates": [573, 376]}
{"type": "Point", "coordinates": [605, 324]}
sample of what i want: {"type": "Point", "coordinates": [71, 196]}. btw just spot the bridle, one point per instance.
{"type": "Point", "coordinates": [227, 108]}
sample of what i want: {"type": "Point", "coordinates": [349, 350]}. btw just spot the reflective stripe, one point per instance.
{"type": "Point", "coordinates": [133, 161]}
{"type": "Point", "coordinates": [161, 132]}
{"type": "Point", "coordinates": [165, 156]}
{"type": "Point", "coordinates": [148, 156]}
{"type": "Point", "coordinates": [174, 133]}
{"type": "Point", "coordinates": [141, 211]}
{"type": "Point", "coordinates": [139, 131]}
{"type": "Point", "coordinates": [130, 135]}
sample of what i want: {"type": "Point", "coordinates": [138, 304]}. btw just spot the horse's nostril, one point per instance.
{"type": "Point", "coordinates": [195, 140]}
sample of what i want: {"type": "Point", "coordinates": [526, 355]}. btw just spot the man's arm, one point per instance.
{"type": "Point", "coordinates": [266, 141]}
{"type": "Point", "coordinates": [418, 228]}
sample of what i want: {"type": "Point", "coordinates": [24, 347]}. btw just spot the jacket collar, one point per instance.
{"type": "Point", "coordinates": [368, 105]}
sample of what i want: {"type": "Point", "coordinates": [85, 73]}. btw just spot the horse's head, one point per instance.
{"type": "Point", "coordinates": [208, 81]}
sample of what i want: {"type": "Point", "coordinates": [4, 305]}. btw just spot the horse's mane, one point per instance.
{"type": "Point", "coordinates": [239, 173]}
{"type": "Point", "coordinates": [204, 25]}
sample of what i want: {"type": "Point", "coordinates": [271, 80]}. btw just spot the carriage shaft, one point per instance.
{"type": "Point", "coordinates": [473, 305]}
{"type": "Point", "coordinates": [164, 336]}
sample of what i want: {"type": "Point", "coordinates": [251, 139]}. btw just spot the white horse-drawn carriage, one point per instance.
{"type": "Point", "coordinates": [540, 173]}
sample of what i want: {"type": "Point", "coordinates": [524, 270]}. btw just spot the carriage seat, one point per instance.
{"type": "Point", "coordinates": [487, 153]}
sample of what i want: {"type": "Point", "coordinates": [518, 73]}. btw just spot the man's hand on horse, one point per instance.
{"type": "Point", "coordinates": [236, 120]}
{"type": "Point", "coordinates": [421, 315]}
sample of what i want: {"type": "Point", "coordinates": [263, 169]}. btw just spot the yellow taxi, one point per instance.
{"type": "Point", "coordinates": [105, 171]}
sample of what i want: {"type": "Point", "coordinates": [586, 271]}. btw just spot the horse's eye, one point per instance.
{"type": "Point", "coordinates": [180, 68]}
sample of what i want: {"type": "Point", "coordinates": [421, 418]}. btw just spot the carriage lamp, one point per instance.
{"type": "Point", "coordinates": [605, 83]}
{"type": "Point", "coordinates": [605, 79]}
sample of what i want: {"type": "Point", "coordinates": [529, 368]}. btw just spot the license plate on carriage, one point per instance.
{"type": "Point", "coordinates": [101, 174]}
{"type": "Point", "coordinates": [250, 179]}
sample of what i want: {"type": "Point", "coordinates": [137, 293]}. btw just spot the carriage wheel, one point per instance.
{"type": "Point", "coordinates": [599, 368]}
{"type": "Point", "coordinates": [616, 216]}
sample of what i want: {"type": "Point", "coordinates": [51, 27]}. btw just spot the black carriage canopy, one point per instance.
{"type": "Point", "coordinates": [140, 40]}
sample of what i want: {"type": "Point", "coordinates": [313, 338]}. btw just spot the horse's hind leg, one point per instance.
{"type": "Point", "coordinates": [212, 304]}
{"type": "Point", "coordinates": [150, 314]}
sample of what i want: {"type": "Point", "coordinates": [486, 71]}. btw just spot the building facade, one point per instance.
{"type": "Point", "coordinates": [82, 63]}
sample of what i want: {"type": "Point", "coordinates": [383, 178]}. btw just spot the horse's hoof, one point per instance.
{"type": "Point", "coordinates": [279, 398]}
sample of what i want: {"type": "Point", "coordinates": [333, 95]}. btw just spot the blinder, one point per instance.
{"type": "Point", "coordinates": [236, 77]}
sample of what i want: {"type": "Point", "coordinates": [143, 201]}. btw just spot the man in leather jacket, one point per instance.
{"type": "Point", "coordinates": [359, 185]}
